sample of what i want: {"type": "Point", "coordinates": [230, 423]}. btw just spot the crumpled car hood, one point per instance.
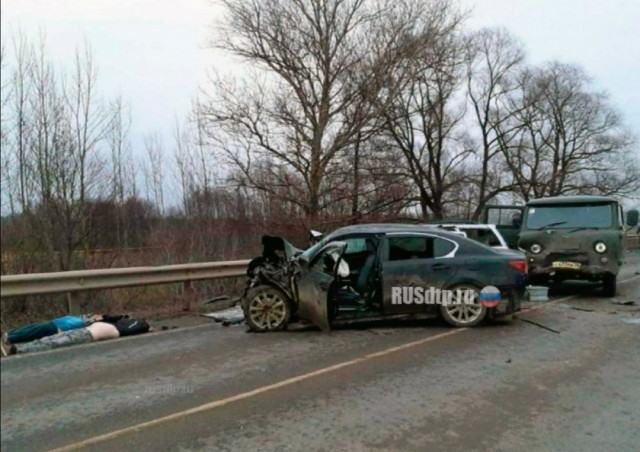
{"type": "Point", "coordinates": [272, 243]}
{"type": "Point", "coordinates": [276, 252]}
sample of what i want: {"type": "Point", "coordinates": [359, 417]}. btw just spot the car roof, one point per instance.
{"type": "Point", "coordinates": [383, 228]}
{"type": "Point", "coordinates": [464, 225]}
{"type": "Point", "coordinates": [579, 199]}
{"type": "Point", "coordinates": [449, 221]}
{"type": "Point", "coordinates": [465, 243]}
{"type": "Point", "coordinates": [390, 228]}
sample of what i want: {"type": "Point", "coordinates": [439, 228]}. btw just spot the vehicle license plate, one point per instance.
{"type": "Point", "coordinates": [571, 265]}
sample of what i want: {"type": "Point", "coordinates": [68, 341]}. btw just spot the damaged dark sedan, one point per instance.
{"type": "Point", "coordinates": [377, 271]}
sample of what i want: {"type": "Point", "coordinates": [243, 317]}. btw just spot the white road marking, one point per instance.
{"type": "Point", "coordinates": [255, 392]}
{"type": "Point", "coordinates": [287, 382]}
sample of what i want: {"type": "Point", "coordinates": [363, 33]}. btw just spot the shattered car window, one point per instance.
{"type": "Point", "coordinates": [356, 245]}
{"type": "Point", "coordinates": [312, 250]}
{"type": "Point", "coordinates": [485, 236]}
{"type": "Point", "coordinates": [326, 263]}
{"type": "Point", "coordinates": [403, 248]}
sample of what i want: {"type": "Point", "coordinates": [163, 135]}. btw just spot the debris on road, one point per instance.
{"type": "Point", "coordinates": [581, 309]}
{"type": "Point", "coordinates": [544, 327]}
{"type": "Point", "coordinates": [624, 303]}
{"type": "Point", "coordinates": [231, 316]}
{"type": "Point", "coordinates": [217, 299]}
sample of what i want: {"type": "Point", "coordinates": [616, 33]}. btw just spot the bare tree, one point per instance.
{"type": "Point", "coordinates": [154, 171]}
{"type": "Point", "coordinates": [184, 168]}
{"type": "Point", "coordinates": [318, 65]}
{"type": "Point", "coordinates": [197, 169]}
{"type": "Point", "coordinates": [495, 58]}
{"type": "Point", "coordinates": [423, 122]}
{"type": "Point", "coordinates": [7, 163]}
{"type": "Point", "coordinates": [122, 171]}
{"type": "Point", "coordinates": [90, 119]}
{"type": "Point", "coordinates": [120, 150]}
{"type": "Point", "coordinates": [20, 80]}
{"type": "Point", "coordinates": [55, 127]}
{"type": "Point", "coordinates": [571, 139]}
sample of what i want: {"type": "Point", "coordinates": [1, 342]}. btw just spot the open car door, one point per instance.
{"type": "Point", "coordinates": [508, 220]}
{"type": "Point", "coordinates": [315, 282]}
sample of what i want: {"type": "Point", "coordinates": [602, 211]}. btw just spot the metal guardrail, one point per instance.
{"type": "Point", "coordinates": [112, 278]}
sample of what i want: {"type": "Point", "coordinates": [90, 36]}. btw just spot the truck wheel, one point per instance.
{"type": "Point", "coordinates": [609, 285]}
{"type": "Point", "coordinates": [266, 309]}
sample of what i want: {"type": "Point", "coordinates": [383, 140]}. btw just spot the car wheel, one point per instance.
{"type": "Point", "coordinates": [266, 309]}
{"type": "Point", "coordinates": [460, 314]}
{"type": "Point", "coordinates": [609, 285]}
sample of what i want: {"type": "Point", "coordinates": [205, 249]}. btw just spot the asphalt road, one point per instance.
{"type": "Point", "coordinates": [568, 382]}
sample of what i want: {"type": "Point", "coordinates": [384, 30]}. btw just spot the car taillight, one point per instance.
{"type": "Point", "coordinates": [520, 265]}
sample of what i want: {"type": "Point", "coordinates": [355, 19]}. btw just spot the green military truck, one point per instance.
{"type": "Point", "coordinates": [567, 237]}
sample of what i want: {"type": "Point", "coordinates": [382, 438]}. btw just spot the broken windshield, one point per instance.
{"type": "Point", "coordinates": [570, 216]}
{"type": "Point", "coordinates": [311, 251]}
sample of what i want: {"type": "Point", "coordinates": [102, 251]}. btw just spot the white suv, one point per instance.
{"type": "Point", "coordinates": [483, 233]}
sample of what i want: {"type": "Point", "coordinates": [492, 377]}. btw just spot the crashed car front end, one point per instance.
{"type": "Point", "coordinates": [270, 296]}
{"type": "Point", "coordinates": [267, 272]}
{"type": "Point", "coordinates": [286, 283]}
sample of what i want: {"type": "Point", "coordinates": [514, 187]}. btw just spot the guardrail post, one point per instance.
{"type": "Point", "coordinates": [187, 295]}
{"type": "Point", "coordinates": [70, 304]}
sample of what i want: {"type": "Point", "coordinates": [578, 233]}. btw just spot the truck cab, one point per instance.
{"type": "Point", "coordinates": [567, 237]}
{"type": "Point", "coordinates": [573, 237]}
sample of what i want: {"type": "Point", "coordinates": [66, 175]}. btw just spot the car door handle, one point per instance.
{"type": "Point", "coordinates": [440, 267]}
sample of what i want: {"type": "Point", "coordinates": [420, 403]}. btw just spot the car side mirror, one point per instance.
{"type": "Point", "coordinates": [315, 236]}
{"type": "Point", "coordinates": [632, 218]}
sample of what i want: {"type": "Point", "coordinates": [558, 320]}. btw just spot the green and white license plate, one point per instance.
{"type": "Point", "coordinates": [571, 265]}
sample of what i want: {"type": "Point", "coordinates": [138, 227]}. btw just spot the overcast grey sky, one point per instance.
{"type": "Point", "coordinates": [152, 51]}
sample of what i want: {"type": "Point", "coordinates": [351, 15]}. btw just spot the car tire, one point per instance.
{"type": "Point", "coordinates": [266, 308]}
{"type": "Point", "coordinates": [461, 315]}
{"type": "Point", "coordinates": [609, 285]}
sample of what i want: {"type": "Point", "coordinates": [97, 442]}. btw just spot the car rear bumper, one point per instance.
{"type": "Point", "coordinates": [511, 301]}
